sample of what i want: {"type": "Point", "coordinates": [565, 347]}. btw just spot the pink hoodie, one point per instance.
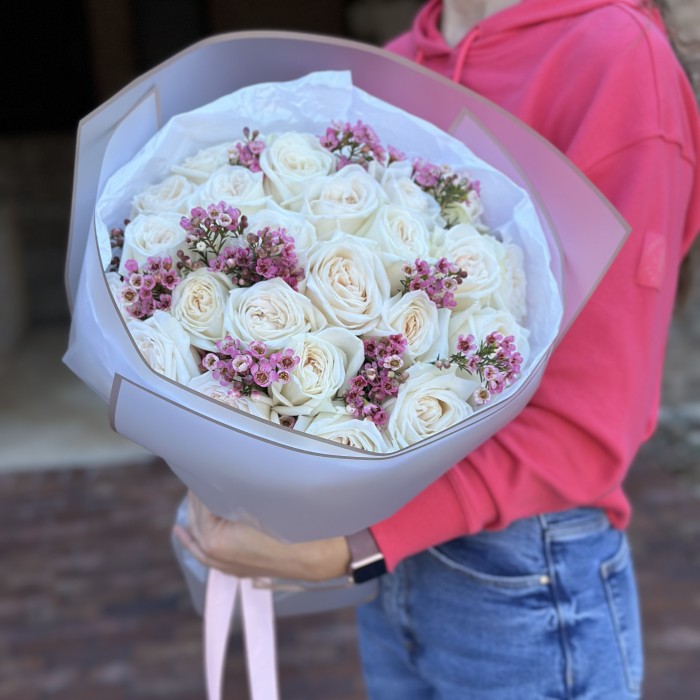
{"type": "Point", "coordinates": [599, 80]}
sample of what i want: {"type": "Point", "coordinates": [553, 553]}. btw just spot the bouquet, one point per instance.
{"type": "Point", "coordinates": [543, 236]}
{"type": "Point", "coordinates": [308, 271]}
{"type": "Point", "coordinates": [327, 283]}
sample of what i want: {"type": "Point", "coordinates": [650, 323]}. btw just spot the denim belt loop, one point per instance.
{"type": "Point", "coordinates": [572, 524]}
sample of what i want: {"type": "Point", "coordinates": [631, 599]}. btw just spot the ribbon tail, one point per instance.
{"type": "Point", "coordinates": [259, 630]}
{"type": "Point", "coordinates": [218, 613]}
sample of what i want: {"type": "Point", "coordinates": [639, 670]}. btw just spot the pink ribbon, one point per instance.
{"type": "Point", "coordinates": [259, 633]}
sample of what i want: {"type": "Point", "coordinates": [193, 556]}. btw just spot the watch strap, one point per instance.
{"type": "Point", "coordinates": [366, 560]}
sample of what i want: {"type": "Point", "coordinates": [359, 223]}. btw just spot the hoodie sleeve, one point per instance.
{"type": "Point", "coordinates": [572, 445]}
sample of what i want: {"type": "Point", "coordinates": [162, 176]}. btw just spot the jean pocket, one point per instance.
{"type": "Point", "coordinates": [480, 569]}
{"type": "Point", "coordinates": [621, 593]}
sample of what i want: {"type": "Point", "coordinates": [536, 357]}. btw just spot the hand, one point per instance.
{"type": "Point", "coordinates": [239, 549]}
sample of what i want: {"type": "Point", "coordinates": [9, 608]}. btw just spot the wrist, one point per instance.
{"type": "Point", "coordinates": [325, 559]}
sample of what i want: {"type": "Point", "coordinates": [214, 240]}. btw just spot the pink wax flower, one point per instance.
{"type": "Point", "coordinates": [247, 152]}
{"type": "Point", "coordinates": [209, 229]}
{"type": "Point", "coordinates": [377, 380]}
{"type": "Point", "coordinates": [148, 289]}
{"type": "Point", "coordinates": [353, 143]}
{"type": "Point", "coordinates": [249, 371]}
{"type": "Point", "coordinates": [269, 253]}
{"type": "Point", "coordinates": [445, 185]}
{"type": "Point", "coordinates": [438, 280]}
{"type": "Point", "coordinates": [495, 361]}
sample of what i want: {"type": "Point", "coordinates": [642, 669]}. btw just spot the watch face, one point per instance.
{"type": "Point", "coordinates": [369, 571]}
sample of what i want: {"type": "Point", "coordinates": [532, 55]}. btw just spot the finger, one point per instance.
{"type": "Point", "coordinates": [196, 504]}
{"type": "Point", "coordinates": [196, 514]}
{"type": "Point", "coordinates": [189, 542]}
{"type": "Point", "coordinates": [202, 518]}
{"type": "Point", "coordinates": [191, 515]}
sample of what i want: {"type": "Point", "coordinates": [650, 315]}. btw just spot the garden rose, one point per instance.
{"type": "Point", "coordinates": [345, 201]}
{"type": "Point", "coordinates": [468, 212]}
{"type": "Point", "coordinates": [167, 197]}
{"type": "Point", "coordinates": [512, 291]}
{"type": "Point", "coordinates": [165, 346]}
{"type": "Point", "coordinates": [198, 303]}
{"type": "Point", "coordinates": [291, 161]}
{"type": "Point", "coordinates": [478, 255]}
{"type": "Point", "coordinates": [480, 321]}
{"type": "Point", "coordinates": [149, 235]}
{"type": "Point", "coordinates": [420, 321]}
{"type": "Point", "coordinates": [328, 359]}
{"type": "Point", "coordinates": [200, 167]}
{"type": "Point", "coordinates": [301, 230]}
{"type": "Point", "coordinates": [404, 192]}
{"type": "Point", "coordinates": [234, 185]}
{"type": "Point", "coordinates": [340, 427]}
{"type": "Point", "coordinates": [402, 235]}
{"type": "Point", "coordinates": [207, 385]}
{"type": "Point", "coordinates": [347, 281]}
{"type": "Point", "coordinates": [431, 401]}
{"type": "Point", "coordinates": [270, 311]}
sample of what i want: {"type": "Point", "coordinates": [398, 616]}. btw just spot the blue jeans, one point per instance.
{"type": "Point", "coordinates": [546, 609]}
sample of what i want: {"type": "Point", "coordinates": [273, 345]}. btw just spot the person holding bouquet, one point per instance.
{"type": "Point", "coordinates": [510, 576]}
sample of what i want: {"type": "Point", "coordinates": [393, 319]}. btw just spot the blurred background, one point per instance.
{"type": "Point", "coordinates": [92, 605]}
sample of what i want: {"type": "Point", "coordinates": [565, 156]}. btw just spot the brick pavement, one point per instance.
{"type": "Point", "coordinates": [92, 605]}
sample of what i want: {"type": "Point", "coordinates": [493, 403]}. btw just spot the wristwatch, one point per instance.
{"type": "Point", "coordinates": [366, 561]}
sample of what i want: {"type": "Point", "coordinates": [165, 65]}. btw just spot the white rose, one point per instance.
{"type": "Point", "coordinates": [329, 358]}
{"type": "Point", "coordinates": [149, 235]}
{"type": "Point", "coordinates": [404, 192]}
{"type": "Point", "coordinates": [199, 167]}
{"type": "Point", "coordinates": [468, 212]}
{"type": "Point", "coordinates": [291, 161]}
{"type": "Point", "coordinates": [512, 292]}
{"type": "Point", "coordinates": [115, 282]}
{"type": "Point", "coordinates": [341, 427]}
{"type": "Point", "coordinates": [168, 196]}
{"type": "Point", "coordinates": [431, 401]}
{"type": "Point", "coordinates": [165, 346]}
{"type": "Point", "coordinates": [402, 236]}
{"type": "Point", "coordinates": [198, 303]}
{"type": "Point", "coordinates": [422, 324]}
{"type": "Point", "coordinates": [235, 185]}
{"type": "Point", "coordinates": [270, 311]}
{"type": "Point", "coordinates": [346, 279]}
{"type": "Point", "coordinates": [299, 228]}
{"type": "Point", "coordinates": [207, 385]}
{"type": "Point", "coordinates": [400, 232]}
{"type": "Point", "coordinates": [479, 322]}
{"type": "Point", "coordinates": [478, 255]}
{"type": "Point", "coordinates": [345, 201]}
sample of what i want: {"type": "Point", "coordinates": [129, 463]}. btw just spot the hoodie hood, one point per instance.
{"type": "Point", "coordinates": [572, 70]}
{"type": "Point", "coordinates": [431, 44]}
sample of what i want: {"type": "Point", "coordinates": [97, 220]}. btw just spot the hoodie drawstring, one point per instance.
{"type": "Point", "coordinates": [463, 50]}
